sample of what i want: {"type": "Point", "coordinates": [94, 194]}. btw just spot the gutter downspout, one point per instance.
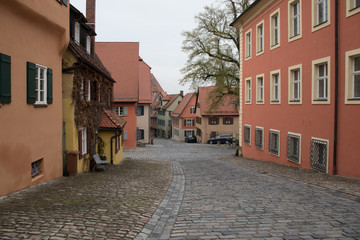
{"type": "Point", "coordinates": [336, 84]}
{"type": "Point", "coordinates": [111, 146]}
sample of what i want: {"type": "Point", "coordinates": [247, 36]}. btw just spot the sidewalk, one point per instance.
{"type": "Point", "coordinates": [342, 186]}
{"type": "Point", "coordinates": [115, 204]}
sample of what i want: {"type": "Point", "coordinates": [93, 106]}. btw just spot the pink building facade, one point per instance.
{"type": "Point", "coordinates": [300, 84]}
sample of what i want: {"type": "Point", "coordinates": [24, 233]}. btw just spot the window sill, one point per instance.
{"type": "Point", "coordinates": [37, 178]}
{"type": "Point", "coordinates": [259, 101]}
{"type": "Point", "coordinates": [353, 99]}
{"type": "Point", "coordinates": [40, 105]}
{"type": "Point", "coordinates": [295, 101]}
{"type": "Point", "coordinates": [297, 161]}
{"type": "Point", "coordinates": [354, 9]}
{"type": "Point", "coordinates": [319, 24]}
{"type": "Point", "coordinates": [275, 101]}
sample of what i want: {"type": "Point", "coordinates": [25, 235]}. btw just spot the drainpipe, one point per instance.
{"type": "Point", "coordinates": [336, 84]}
{"type": "Point", "coordinates": [111, 145]}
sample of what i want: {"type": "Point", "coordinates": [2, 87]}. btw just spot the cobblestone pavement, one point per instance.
{"type": "Point", "coordinates": [173, 190]}
{"type": "Point", "coordinates": [115, 204]}
{"type": "Point", "coordinates": [216, 197]}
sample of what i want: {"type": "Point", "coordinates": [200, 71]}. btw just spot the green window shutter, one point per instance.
{"type": "Point", "coordinates": [49, 86]}
{"type": "Point", "coordinates": [5, 78]}
{"type": "Point", "coordinates": [30, 75]}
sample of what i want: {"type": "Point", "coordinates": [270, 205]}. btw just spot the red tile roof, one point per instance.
{"type": "Point", "coordinates": [122, 59]}
{"type": "Point", "coordinates": [110, 120]}
{"type": "Point", "coordinates": [155, 85]}
{"type": "Point", "coordinates": [144, 82]}
{"type": "Point", "coordinates": [170, 98]}
{"type": "Point", "coordinates": [188, 98]}
{"type": "Point", "coordinates": [226, 108]}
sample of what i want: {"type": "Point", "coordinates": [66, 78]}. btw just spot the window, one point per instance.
{"type": "Point", "coordinates": [121, 111]}
{"type": "Point", "coordinates": [213, 121]}
{"type": "Point", "coordinates": [352, 7]}
{"type": "Point", "coordinates": [247, 90]}
{"type": "Point", "coordinates": [88, 95]}
{"type": "Point", "coordinates": [36, 168]}
{"type": "Point", "coordinates": [213, 134]}
{"type": "Point", "coordinates": [275, 29]}
{"type": "Point", "coordinates": [260, 38]}
{"type": "Point", "coordinates": [39, 84]}
{"type": "Point", "coordinates": [198, 120]}
{"type": "Point", "coordinates": [189, 122]}
{"type": "Point", "coordinates": [259, 138]}
{"type": "Point", "coordinates": [295, 86]}
{"type": "Point", "coordinates": [228, 121]}
{"type": "Point", "coordinates": [198, 132]}
{"type": "Point", "coordinates": [247, 134]}
{"type": "Point", "coordinates": [294, 25]}
{"type": "Point", "coordinates": [140, 134]}
{"type": "Point", "coordinates": [260, 89]}
{"type": "Point", "coordinates": [189, 133]}
{"type": "Point", "coordinates": [352, 77]}
{"type": "Point", "coordinates": [5, 78]}
{"type": "Point", "coordinates": [140, 110]}
{"type": "Point", "coordinates": [82, 137]}
{"type": "Point", "coordinates": [319, 154]}
{"type": "Point", "coordinates": [320, 14]}
{"type": "Point", "coordinates": [88, 44]}
{"type": "Point", "coordinates": [275, 87]}
{"type": "Point", "coordinates": [248, 45]}
{"type": "Point", "coordinates": [274, 142]}
{"type": "Point", "coordinates": [293, 147]}
{"type": "Point", "coordinates": [320, 81]}
{"type": "Point", "coordinates": [192, 110]}
{"type": "Point", "coordinates": [77, 33]}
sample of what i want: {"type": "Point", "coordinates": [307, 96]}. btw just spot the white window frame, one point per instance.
{"type": "Point", "coordinates": [317, 23]}
{"type": "Point", "coordinates": [262, 138]}
{"type": "Point", "coordinates": [292, 82]}
{"type": "Point", "coordinates": [88, 44]}
{"type": "Point", "coordinates": [189, 122]}
{"type": "Point", "coordinates": [273, 87]}
{"type": "Point", "coordinates": [38, 80]}
{"type": "Point", "coordinates": [248, 44]}
{"type": "Point", "coordinates": [192, 110]}
{"type": "Point", "coordinates": [260, 89]}
{"type": "Point", "coordinates": [316, 78]}
{"type": "Point", "coordinates": [351, 9]}
{"type": "Point", "coordinates": [327, 153]}
{"type": "Point", "coordinates": [292, 18]}
{"type": "Point", "coordinates": [273, 131]}
{"type": "Point", "coordinates": [247, 126]}
{"type": "Point", "coordinates": [297, 135]}
{"type": "Point", "coordinates": [349, 76]}
{"type": "Point", "coordinates": [84, 141]}
{"type": "Point", "coordinates": [77, 33]}
{"type": "Point", "coordinates": [248, 90]}
{"type": "Point", "coordinates": [275, 29]}
{"type": "Point", "coordinates": [260, 38]}
{"type": "Point", "coordinates": [88, 96]}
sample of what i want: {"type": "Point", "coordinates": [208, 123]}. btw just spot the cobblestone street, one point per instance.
{"type": "Point", "coordinates": [173, 190]}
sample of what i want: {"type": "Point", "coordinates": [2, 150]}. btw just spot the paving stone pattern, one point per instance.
{"type": "Point", "coordinates": [229, 200]}
{"type": "Point", "coordinates": [115, 204]}
{"type": "Point", "coordinates": [173, 190]}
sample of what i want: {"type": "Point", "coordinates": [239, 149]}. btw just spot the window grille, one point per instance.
{"type": "Point", "coordinates": [274, 140]}
{"type": "Point", "coordinates": [293, 148]}
{"type": "Point", "coordinates": [319, 156]}
{"type": "Point", "coordinates": [35, 168]}
{"type": "Point", "coordinates": [247, 134]}
{"type": "Point", "coordinates": [259, 133]}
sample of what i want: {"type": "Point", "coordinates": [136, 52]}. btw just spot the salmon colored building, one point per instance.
{"type": "Point", "coordinates": [34, 36]}
{"type": "Point", "coordinates": [300, 83]}
{"type": "Point", "coordinates": [212, 122]}
{"type": "Point", "coordinates": [183, 118]}
{"type": "Point", "coordinates": [122, 60]}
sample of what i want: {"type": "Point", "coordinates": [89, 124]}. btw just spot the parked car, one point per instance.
{"type": "Point", "coordinates": [224, 138]}
{"type": "Point", "coordinates": [190, 139]}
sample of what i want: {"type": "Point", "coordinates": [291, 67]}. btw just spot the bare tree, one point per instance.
{"type": "Point", "coordinates": [213, 50]}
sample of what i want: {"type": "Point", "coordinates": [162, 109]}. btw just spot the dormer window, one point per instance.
{"type": "Point", "coordinates": [88, 44]}
{"type": "Point", "coordinates": [77, 33]}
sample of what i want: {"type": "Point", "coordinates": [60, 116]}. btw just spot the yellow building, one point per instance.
{"type": "Point", "coordinates": [87, 91]}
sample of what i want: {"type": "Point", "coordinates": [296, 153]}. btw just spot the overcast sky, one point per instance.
{"type": "Point", "coordinates": [156, 24]}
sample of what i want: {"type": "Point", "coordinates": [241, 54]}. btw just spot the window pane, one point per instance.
{"type": "Point", "coordinates": [357, 64]}
{"type": "Point", "coordinates": [357, 3]}
{"type": "Point", "coordinates": [357, 86]}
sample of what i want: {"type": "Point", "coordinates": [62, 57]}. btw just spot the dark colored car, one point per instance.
{"type": "Point", "coordinates": [190, 139]}
{"type": "Point", "coordinates": [224, 138]}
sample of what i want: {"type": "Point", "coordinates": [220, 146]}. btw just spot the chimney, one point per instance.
{"type": "Point", "coordinates": [90, 16]}
{"type": "Point", "coordinates": [182, 93]}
